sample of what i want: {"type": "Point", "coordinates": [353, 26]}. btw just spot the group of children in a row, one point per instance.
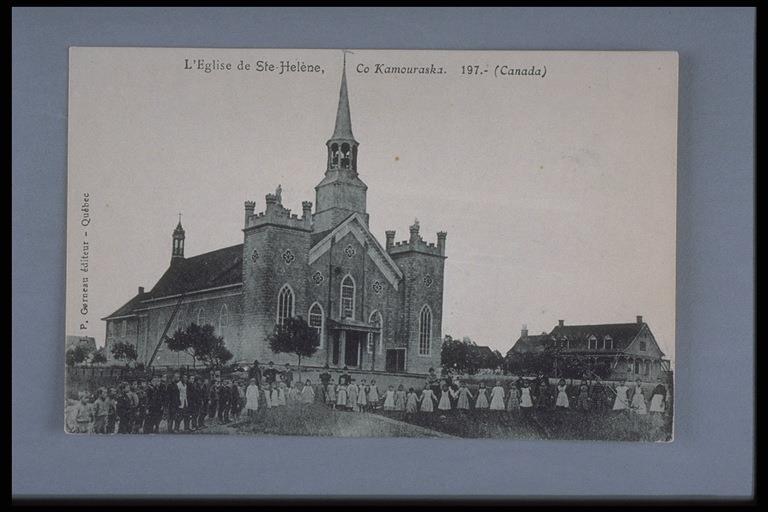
{"type": "Point", "coordinates": [277, 394]}
{"type": "Point", "coordinates": [517, 396]}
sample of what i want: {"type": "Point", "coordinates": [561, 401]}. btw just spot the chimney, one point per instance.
{"type": "Point", "coordinates": [141, 290]}
{"type": "Point", "coordinates": [390, 238]}
{"type": "Point", "coordinates": [524, 331]}
{"type": "Point", "coordinates": [561, 323]}
{"type": "Point", "coordinates": [249, 207]}
{"type": "Point", "coordinates": [639, 319]}
{"type": "Point", "coordinates": [441, 242]}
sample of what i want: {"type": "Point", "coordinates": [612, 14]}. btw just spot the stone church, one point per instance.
{"type": "Point", "coordinates": [374, 306]}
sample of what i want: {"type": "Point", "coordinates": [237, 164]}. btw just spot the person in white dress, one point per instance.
{"type": "Point", "coordinates": [638, 399]}
{"type": "Point", "coordinates": [389, 399]}
{"type": "Point", "coordinates": [445, 398]}
{"type": "Point", "coordinates": [307, 393]}
{"type": "Point", "coordinates": [341, 397]}
{"type": "Point", "coordinates": [658, 397]}
{"type": "Point", "coordinates": [373, 395]}
{"type": "Point", "coordinates": [497, 397]}
{"type": "Point", "coordinates": [621, 402]}
{"type": "Point", "coordinates": [562, 395]}
{"type": "Point", "coordinates": [426, 400]}
{"type": "Point", "coordinates": [251, 398]}
{"type": "Point", "coordinates": [526, 402]}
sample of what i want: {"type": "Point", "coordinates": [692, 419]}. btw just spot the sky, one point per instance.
{"type": "Point", "coordinates": [557, 192]}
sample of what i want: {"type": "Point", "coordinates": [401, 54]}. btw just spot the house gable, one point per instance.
{"type": "Point", "coordinates": [652, 348]}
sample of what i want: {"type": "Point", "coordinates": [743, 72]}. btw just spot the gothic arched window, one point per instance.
{"type": "Point", "coordinates": [201, 317]}
{"type": "Point", "coordinates": [425, 331]}
{"type": "Point", "coordinates": [284, 304]}
{"type": "Point", "coordinates": [223, 319]}
{"type": "Point", "coordinates": [316, 320]}
{"type": "Point", "coordinates": [348, 297]}
{"type": "Point", "coordinates": [179, 322]}
{"type": "Point", "coordinates": [124, 328]}
{"type": "Point", "coordinates": [374, 338]}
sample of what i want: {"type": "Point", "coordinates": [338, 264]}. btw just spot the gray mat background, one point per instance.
{"type": "Point", "coordinates": [713, 450]}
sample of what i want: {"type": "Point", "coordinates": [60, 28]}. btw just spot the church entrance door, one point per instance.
{"type": "Point", "coordinates": [352, 349]}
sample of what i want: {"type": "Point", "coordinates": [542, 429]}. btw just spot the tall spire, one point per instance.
{"type": "Point", "coordinates": [343, 128]}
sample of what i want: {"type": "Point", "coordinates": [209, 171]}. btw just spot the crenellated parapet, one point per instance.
{"type": "Point", "coordinates": [416, 243]}
{"type": "Point", "coordinates": [275, 214]}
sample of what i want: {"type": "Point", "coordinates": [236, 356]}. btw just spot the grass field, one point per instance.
{"type": "Point", "coordinates": [545, 424]}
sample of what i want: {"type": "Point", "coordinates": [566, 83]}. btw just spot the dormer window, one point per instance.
{"type": "Point", "coordinates": [608, 343]}
{"type": "Point", "coordinates": [592, 343]}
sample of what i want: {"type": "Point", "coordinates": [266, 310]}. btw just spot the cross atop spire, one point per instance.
{"type": "Point", "coordinates": [343, 128]}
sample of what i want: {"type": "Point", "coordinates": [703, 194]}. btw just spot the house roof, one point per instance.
{"type": "Point", "coordinates": [622, 334]}
{"type": "Point", "coordinates": [578, 335]}
{"type": "Point", "coordinates": [209, 270]}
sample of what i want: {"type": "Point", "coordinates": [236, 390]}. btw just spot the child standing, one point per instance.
{"type": "Point", "coordinates": [293, 394]}
{"type": "Point", "coordinates": [462, 403]}
{"type": "Point", "coordinates": [330, 394]}
{"type": "Point", "coordinates": [562, 396]}
{"type": "Point", "coordinates": [513, 403]}
{"type": "Point", "coordinates": [638, 400]}
{"type": "Point", "coordinates": [268, 395]}
{"type": "Point", "coordinates": [657, 398]}
{"type": "Point", "coordinates": [582, 402]}
{"type": "Point", "coordinates": [427, 399]}
{"type": "Point", "coordinates": [526, 403]}
{"type": "Point", "coordinates": [482, 398]}
{"type": "Point", "coordinates": [362, 397]}
{"type": "Point", "coordinates": [308, 393]}
{"type": "Point", "coordinates": [445, 398]}
{"type": "Point", "coordinates": [352, 393]}
{"type": "Point", "coordinates": [411, 403]}
{"type": "Point", "coordinates": [389, 399]}
{"type": "Point", "coordinates": [251, 398]}
{"type": "Point", "coordinates": [497, 397]}
{"type": "Point", "coordinates": [83, 415]}
{"type": "Point", "coordinates": [373, 395]}
{"type": "Point", "coordinates": [341, 397]}
{"type": "Point", "coordinates": [622, 401]}
{"type": "Point", "coordinates": [400, 398]}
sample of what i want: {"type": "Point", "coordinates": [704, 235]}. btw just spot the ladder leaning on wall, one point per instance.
{"type": "Point", "coordinates": [165, 330]}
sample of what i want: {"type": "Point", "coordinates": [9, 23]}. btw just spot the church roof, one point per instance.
{"type": "Point", "coordinates": [127, 308]}
{"type": "Point", "coordinates": [209, 270]}
{"type": "Point", "coordinates": [343, 128]}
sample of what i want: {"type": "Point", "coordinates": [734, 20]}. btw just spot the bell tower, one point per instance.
{"type": "Point", "coordinates": [178, 242]}
{"type": "Point", "coordinates": [341, 192]}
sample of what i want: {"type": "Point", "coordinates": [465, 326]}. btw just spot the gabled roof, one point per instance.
{"type": "Point", "coordinates": [534, 343]}
{"type": "Point", "coordinates": [623, 334]}
{"type": "Point", "coordinates": [356, 225]}
{"type": "Point", "coordinates": [210, 270]}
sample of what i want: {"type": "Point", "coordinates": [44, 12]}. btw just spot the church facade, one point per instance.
{"type": "Point", "coordinates": [375, 307]}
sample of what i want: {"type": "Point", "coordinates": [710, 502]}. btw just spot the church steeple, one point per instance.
{"type": "Point", "coordinates": [178, 242]}
{"type": "Point", "coordinates": [342, 146]}
{"type": "Point", "coordinates": [341, 192]}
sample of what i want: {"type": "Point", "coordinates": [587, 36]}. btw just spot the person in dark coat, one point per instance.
{"type": "Point", "coordinates": [270, 374]}
{"type": "Point", "coordinates": [123, 408]}
{"type": "Point", "coordinates": [325, 380]}
{"type": "Point", "coordinates": [202, 409]}
{"type": "Point", "coordinates": [287, 375]}
{"type": "Point", "coordinates": [156, 400]}
{"type": "Point", "coordinates": [433, 381]}
{"type": "Point", "coordinates": [344, 378]}
{"type": "Point", "coordinates": [225, 398]}
{"type": "Point", "coordinates": [255, 372]}
{"type": "Point", "coordinates": [173, 404]}
{"type": "Point", "coordinates": [193, 397]}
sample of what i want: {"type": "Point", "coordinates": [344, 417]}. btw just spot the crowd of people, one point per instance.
{"type": "Point", "coordinates": [186, 403]}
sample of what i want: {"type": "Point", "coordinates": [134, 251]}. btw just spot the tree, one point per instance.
{"type": "Point", "coordinates": [99, 357]}
{"type": "Point", "coordinates": [294, 336]}
{"type": "Point", "coordinates": [124, 351]}
{"type": "Point", "coordinates": [201, 343]}
{"type": "Point", "coordinates": [77, 355]}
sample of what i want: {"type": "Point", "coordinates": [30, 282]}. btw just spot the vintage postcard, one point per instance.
{"type": "Point", "coordinates": [371, 243]}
